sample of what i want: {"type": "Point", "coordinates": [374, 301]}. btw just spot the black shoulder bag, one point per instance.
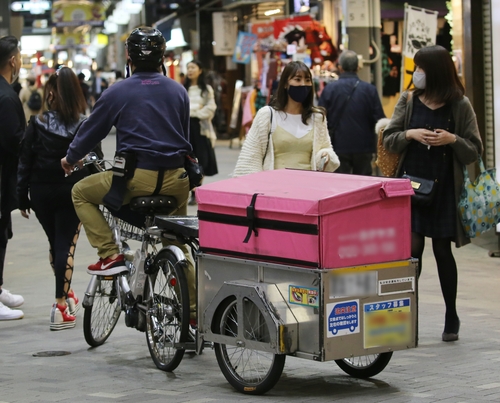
{"type": "Point", "coordinates": [194, 171]}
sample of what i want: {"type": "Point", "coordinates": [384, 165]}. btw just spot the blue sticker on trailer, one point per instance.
{"type": "Point", "coordinates": [387, 323]}
{"type": "Point", "coordinates": [380, 306]}
{"type": "Point", "coordinates": [343, 318]}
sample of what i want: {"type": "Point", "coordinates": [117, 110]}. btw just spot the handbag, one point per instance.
{"type": "Point", "coordinates": [479, 203]}
{"type": "Point", "coordinates": [425, 190]}
{"type": "Point", "coordinates": [194, 171]}
{"type": "Point", "coordinates": [388, 162]}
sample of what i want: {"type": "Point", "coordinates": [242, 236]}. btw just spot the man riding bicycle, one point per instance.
{"type": "Point", "coordinates": [151, 115]}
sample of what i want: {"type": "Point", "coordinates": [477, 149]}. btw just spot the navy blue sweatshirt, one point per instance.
{"type": "Point", "coordinates": [151, 116]}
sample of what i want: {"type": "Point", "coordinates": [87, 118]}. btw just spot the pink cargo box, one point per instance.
{"type": "Point", "coordinates": [305, 218]}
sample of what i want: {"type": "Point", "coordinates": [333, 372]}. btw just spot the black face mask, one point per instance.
{"type": "Point", "coordinates": [299, 93]}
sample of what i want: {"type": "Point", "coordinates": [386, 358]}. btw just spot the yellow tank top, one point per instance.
{"type": "Point", "coordinates": [290, 151]}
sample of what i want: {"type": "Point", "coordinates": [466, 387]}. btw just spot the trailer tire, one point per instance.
{"type": "Point", "coordinates": [365, 366]}
{"type": "Point", "coordinates": [249, 371]}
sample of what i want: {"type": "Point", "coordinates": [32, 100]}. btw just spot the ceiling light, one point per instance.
{"type": "Point", "coordinates": [272, 12]}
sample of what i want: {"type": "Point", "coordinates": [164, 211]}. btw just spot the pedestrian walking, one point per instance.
{"type": "Point", "coordinates": [43, 186]}
{"type": "Point", "coordinates": [13, 126]}
{"type": "Point", "coordinates": [353, 108]}
{"type": "Point", "coordinates": [99, 84]}
{"type": "Point", "coordinates": [436, 133]}
{"type": "Point", "coordinates": [291, 132]}
{"type": "Point", "coordinates": [202, 110]}
{"type": "Point", "coordinates": [31, 97]}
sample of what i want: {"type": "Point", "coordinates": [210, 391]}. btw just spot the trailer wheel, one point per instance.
{"type": "Point", "coordinates": [365, 366]}
{"type": "Point", "coordinates": [249, 371]}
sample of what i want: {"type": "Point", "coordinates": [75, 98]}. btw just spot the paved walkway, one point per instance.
{"type": "Point", "coordinates": [122, 371]}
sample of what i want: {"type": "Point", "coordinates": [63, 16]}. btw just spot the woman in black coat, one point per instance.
{"type": "Point", "coordinates": [43, 186]}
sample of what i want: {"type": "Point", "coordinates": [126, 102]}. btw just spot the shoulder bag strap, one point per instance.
{"type": "Point", "coordinates": [408, 99]}
{"type": "Point", "coordinates": [343, 108]}
{"type": "Point", "coordinates": [268, 134]}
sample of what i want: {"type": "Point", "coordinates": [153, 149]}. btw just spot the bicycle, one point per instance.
{"type": "Point", "coordinates": [153, 291]}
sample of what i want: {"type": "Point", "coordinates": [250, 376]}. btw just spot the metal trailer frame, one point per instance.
{"type": "Point", "coordinates": [306, 328]}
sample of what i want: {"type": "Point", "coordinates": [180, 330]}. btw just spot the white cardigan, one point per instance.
{"type": "Point", "coordinates": [252, 159]}
{"type": "Point", "coordinates": [203, 108]}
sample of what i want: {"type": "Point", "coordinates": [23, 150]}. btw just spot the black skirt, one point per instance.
{"type": "Point", "coordinates": [439, 219]}
{"type": "Point", "coordinates": [202, 148]}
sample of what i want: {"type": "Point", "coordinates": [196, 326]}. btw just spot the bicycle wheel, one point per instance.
{"type": "Point", "coordinates": [100, 318]}
{"type": "Point", "coordinates": [167, 318]}
{"type": "Point", "coordinates": [248, 371]}
{"type": "Point", "coordinates": [365, 366]}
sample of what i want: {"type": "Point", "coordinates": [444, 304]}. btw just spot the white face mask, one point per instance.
{"type": "Point", "coordinates": [419, 80]}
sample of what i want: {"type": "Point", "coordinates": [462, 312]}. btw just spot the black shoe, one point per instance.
{"type": "Point", "coordinates": [451, 332]}
{"type": "Point", "coordinates": [192, 200]}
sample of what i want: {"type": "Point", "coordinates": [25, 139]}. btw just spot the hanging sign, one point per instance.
{"type": "Point", "coordinates": [244, 46]}
{"type": "Point", "coordinates": [225, 31]}
{"type": "Point", "coordinates": [356, 13]}
{"type": "Point", "coordinates": [420, 30]}
{"type": "Point", "coordinates": [65, 14]}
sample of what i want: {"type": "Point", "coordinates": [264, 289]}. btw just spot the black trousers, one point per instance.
{"type": "Point", "coordinates": [54, 209]}
{"type": "Point", "coordinates": [202, 148]}
{"type": "Point", "coordinates": [5, 235]}
{"type": "Point", "coordinates": [357, 164]}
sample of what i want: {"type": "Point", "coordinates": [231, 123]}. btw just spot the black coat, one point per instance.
{"type": "Point", "coordinates": [12, 127]}
{"type": "Point", "coordinates": [44, 145]}
{"type": "Point", "coordinates": [355, 130]}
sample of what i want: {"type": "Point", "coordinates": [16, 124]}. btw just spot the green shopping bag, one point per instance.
{"type": "Point", "coordinates": [479, 203]}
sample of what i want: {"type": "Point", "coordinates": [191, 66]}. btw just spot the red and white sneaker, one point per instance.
{"type": "Point", "coordinates": [73, 303]}
{"type": "Point", "coordinates": [60, 318]}
{"type": "Point", "coordinates": [107, 267]}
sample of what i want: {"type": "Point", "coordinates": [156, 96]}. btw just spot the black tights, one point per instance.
{"type": "Point", "coordinates": [447, 271]}
{"type": "Point", "coordinates": [54, 209]}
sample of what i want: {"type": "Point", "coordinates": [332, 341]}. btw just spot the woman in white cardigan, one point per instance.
{"type": "Point", "coordinates": [291, 133]}
{"type": "Point", "coordinates": [202, 110]}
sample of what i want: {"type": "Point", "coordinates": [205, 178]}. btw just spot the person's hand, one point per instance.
{"type": "Point", "coordinates": [25, 213]}
{"type": "Point", "coordinates": [68, 168]}
{"type": "Point", "coordinates": [438, 137]}
{"type": "Point", "coordinates": [442, 137]}
{"type": "Point", "coordinates": [420, 135]}
{"type": "Point", "coordinates": [323, 162]}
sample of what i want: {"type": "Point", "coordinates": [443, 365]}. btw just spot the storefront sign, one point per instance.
{"type": "Point", "coordinates": [78, 13]}
{"type": "Point", "coordinates": [70, 40]}
{"type": "Point", "coordinates": [356, 13]}
{"type": "Point", "coordinates": [420, 29]}
{"type": "Point", "coordinates": [225, 31]}
{"type": "Point", "coordinates": [33, 6]}
{"type": "Point", "coordinates": [263, 29]}
{"type": "Point", "coordinates": [244, 46]}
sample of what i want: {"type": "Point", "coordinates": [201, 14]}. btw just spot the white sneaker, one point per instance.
{"type": "Point", "coordinates": [10, 300]}
{"type": "Point", "coordinates": [10, 314]}
{"type": "Point", "coordinates": [60, 318]}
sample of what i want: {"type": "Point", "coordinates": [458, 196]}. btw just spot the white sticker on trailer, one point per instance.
{"type": "Point", "coordinates": [402, 280]}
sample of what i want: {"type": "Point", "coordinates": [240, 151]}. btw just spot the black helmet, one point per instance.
{"type": "Point", "coordinates": [146, 44]}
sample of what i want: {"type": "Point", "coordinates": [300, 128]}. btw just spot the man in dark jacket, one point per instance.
{"type": "Point", "coordinates": [353, 108]}
{"type": "Point", "coordinates": [151, 115]}
{"type": "Point", "coordinates": [11, 133]}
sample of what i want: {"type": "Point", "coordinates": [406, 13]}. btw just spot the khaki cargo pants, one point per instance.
{"type": "Point", "coordinates": [88, 195]}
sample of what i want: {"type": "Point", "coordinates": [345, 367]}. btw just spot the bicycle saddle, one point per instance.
{"type": "Point", "coordinates": [152, 205]}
